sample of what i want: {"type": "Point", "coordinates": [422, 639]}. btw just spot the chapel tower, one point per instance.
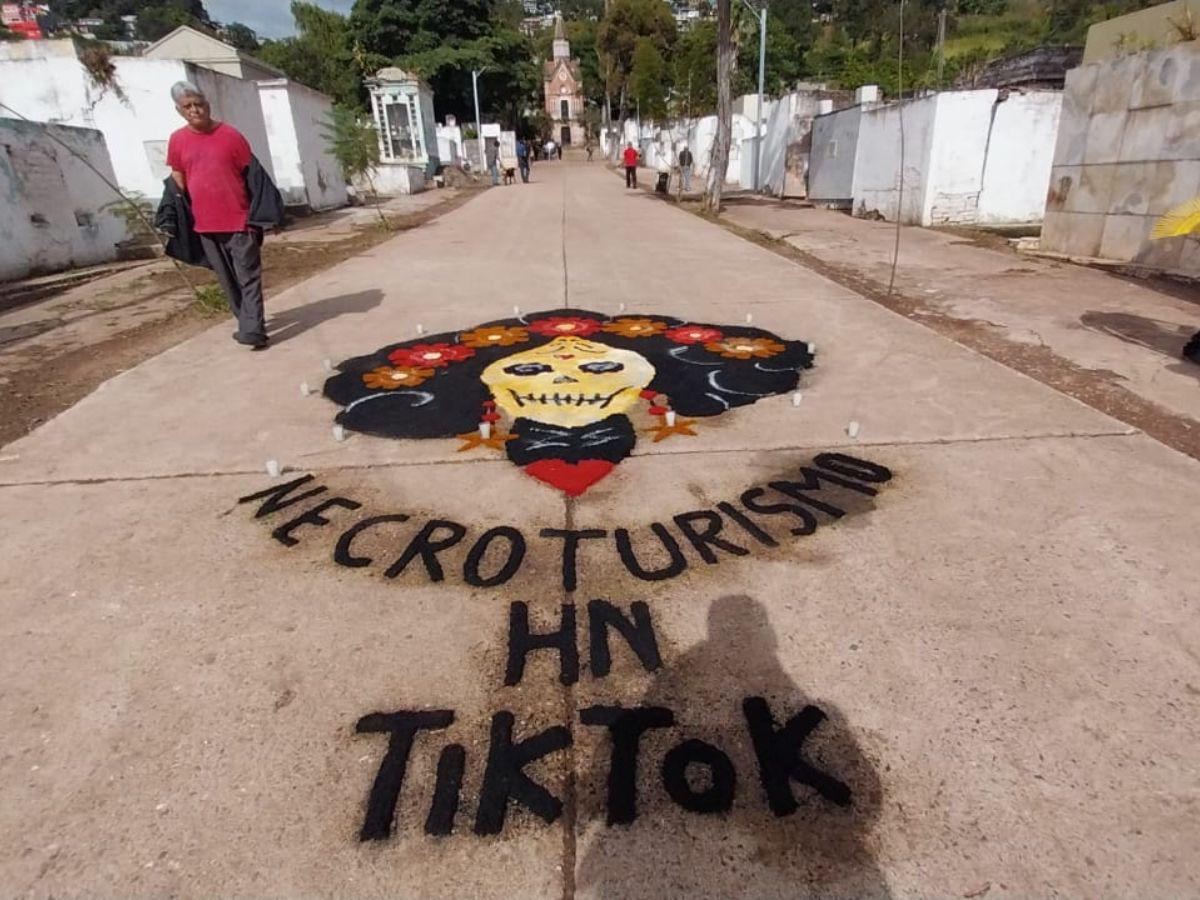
{"type": "Point", "coordinates": [564, 89]}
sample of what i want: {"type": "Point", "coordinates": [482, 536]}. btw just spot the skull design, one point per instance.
{"type": "Point", "coordinates": [568, 382]}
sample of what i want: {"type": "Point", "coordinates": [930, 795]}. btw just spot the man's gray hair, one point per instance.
{"type": "Point", "coordinates": [181, 89]}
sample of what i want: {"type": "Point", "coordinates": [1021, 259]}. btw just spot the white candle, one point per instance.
{"type": "Point", "coordinates": [749, 318]}
{"type": "Point", "coordinates": [852, 429]}
{"type": "Point", "coordinates": [273, 468]}
{"type": "Point", "coordinates": [812, 349]}
{"type": "Point", "coordinates": [339, 433]}
{"type": "Point", "coordinates": [671, 417]}
{"type": "Point", "coordinates": [304, 391]}
{"type": "Point", "coordinates": [621, 307]}
{"type": "Point", "coordinates": [485, 430]}
{"type": "Point", "coordinates": [517, 311]}
{"type": "Point", "coordinates": [796, 397]}
{"type": "Point", "coordinates": [420, 328]}
{"type": "Point", "coordinates": [328, 364]}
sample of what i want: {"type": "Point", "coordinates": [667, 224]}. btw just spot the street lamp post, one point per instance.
{"type": "Point", "coordinates": [475, 73]}
{"type": "Point", "coordinates": [761, 14]}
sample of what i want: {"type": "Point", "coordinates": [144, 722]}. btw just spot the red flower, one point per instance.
{"type": "Point", "coordinates": [436, 355]}
{"type": "Point", "coordinates": [693, 334]}
{"type": "Point", "coordinates": [565, 326]}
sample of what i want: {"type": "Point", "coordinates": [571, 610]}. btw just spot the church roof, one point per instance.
{"type": "Point", "coordinates": [560, 28]}
{"type": "Point", "coordinates": [551, 68]}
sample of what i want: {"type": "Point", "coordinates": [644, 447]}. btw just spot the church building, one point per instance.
{"type": "Point", "coordinates": [564, 89]}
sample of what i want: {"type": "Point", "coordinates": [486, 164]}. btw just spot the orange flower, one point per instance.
{"type": "Point", "coordinates": [390, 377]}
{"type": "Point", "coordinates": [635, 328]}
{"type": "Point", "coordinates": [745, 347]}
{"type": "Point", "coordinates": [493, 336]}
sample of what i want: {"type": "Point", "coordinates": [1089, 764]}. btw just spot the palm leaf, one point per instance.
{"type": "Point", "coordinates": [1180, 221]}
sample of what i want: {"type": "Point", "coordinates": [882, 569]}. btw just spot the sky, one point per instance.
{"type": "Point", "coordinates": [269, 18]}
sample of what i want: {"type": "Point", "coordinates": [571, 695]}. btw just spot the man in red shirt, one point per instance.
{"type": "Point", "coordinates": [208, 160]}
{"type": "Point", "coordinates": [631, 161]}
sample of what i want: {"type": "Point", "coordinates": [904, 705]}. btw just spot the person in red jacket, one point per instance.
{"type": "Point", "coordinates": [631, 162]}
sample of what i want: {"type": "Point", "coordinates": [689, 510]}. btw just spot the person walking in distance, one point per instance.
{"type": "Point", "coordinates": [631, 164]}
{"type": "Point", "coordinates": [685, 167]}
{"type": "Point", "coordinates": [523, 159]}
{"type": "Point", "coordinates": [493, 160]}
{"type": "Point", "coordinates": [231, 200]}
{"type": "Point", "coordinates": [590, 149]}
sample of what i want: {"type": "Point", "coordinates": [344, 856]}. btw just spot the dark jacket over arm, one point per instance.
{"type": "Point", "coordinates": [266, 205]}
{"type": "Point", "coordinates": [174, 217]}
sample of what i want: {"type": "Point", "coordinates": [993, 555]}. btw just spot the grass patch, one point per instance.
{"type": "Point", "coordinates": [210, 301]}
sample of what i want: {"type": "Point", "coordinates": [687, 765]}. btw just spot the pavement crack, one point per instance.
{"type": "Point", "coordinates": [570, 791]}
{"type": "Point", "coordinates": [844, 444]}
{"type": "Point", "coordinates": [566, 300]}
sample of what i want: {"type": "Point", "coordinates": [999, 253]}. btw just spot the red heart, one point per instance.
{"type": "Point", "coordinates": [570, 478]}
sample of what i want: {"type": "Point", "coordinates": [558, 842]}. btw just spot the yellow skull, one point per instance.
{"type": "Point", "coordinates": [568, 382]}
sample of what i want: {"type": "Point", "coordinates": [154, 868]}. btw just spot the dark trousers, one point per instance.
{"type": "Point", "coordinates": [524, 165]}
{"type": "Point", "coordinates": [237, 262]}
{"type": "Point", "coordinates": [631, 176]}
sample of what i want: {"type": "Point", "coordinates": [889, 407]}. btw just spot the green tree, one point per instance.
{"type": "Point", "coordinates": [581, 9]}
{"type": "Point", "coordinates": [784, 62]}
{"type": "Point", "coordinates": [694, 70]}
{"type": "Point", "coordinates": [617, 36]}
{"type": "Point", "coordinates": [241, 36]}
{"type": "Point", "coordinates": [321, 55]}
{"type": "Point", "coordinates": [354, 143]}
{"type": "Point", "coordinates": [444, 40]}
{"type": "Point", "coordinates": [112, 29]}
{"type": "Point", "coordinates": [394, 28]}
{"type": "Point", "coordinates": [648, 81]}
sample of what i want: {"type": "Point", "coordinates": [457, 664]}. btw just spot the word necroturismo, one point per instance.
{"type": "Point", "coordinates": [797, 505]}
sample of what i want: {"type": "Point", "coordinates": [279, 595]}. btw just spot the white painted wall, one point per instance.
{"type": "Point", "coordinates": [391, 179]}
{"type": "Point", "coordinates": [877, 160]}
{"type": "Point", "coordinates": [1020, 156]}
{"type": "Point", "coordinates": [971, 157]}
{"type": "Point", "coordinates": [283, 141]}
{"type": "Point", "coordinates": [296, 118]}
{"type": "Point", "coordinates": [954, 177]}
{"type": "Point", "coordinates": [51, 214]}
{"type": "Point", "coordinates": [831, 162]}
{"type": "Point", "coordinates": [56, 88]}
{"type": "Point", "coordinates": [450, 144]}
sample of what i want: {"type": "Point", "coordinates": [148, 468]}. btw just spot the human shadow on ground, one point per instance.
{"type": "Point", "coordinates": [289, 323]}
{"type": "Point", "coordinates": [822, 848]}
{"type": "Point", "coordinates": [1167, 338]}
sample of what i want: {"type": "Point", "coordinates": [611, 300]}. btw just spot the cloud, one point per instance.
{"type": "Point", "coordinates": [269, 18]}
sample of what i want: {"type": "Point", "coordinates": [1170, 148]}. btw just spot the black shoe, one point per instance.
{"type": "Point", "coordinates": [253, 341]}
{"type": "Point", "coordinates": [1191, 350]}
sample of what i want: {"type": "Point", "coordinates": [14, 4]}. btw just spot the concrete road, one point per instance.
{"type": "Point", "coordinates": [976, 676]}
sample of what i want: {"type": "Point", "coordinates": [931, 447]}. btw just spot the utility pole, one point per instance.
{"type": "Point", "coordinates": [941, 45]}
{"type": "Point", "coordinates": [761, 15]}
{"type": "Point", "coordinates": [475, 73]}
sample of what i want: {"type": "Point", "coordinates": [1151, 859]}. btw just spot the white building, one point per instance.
{"type": "Point", "coordinates": [283, 120]}
{"type": "Point", "coordinates": [297, 118]}
{"type": "Point", "coordinates": [194, 46]}
{"type": "Point", "coordinates": [56, 213]}
{"type": "Point", "coordinates": [402, 109]}
{"type": "Point", "coordinates": [970, 157]}
{"type": "Point", "coordinates": [44, 81]}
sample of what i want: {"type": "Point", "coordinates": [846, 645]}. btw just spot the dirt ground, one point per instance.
{"type": "Point", "coordinates": [84, 330]}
